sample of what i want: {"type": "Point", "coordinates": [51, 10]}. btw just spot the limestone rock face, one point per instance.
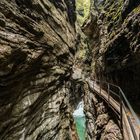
{"type": "Point", "coordinates": [37, 44]}
{"type": "Point", "coordinates": [114, 33]}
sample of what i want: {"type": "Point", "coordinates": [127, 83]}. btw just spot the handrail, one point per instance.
{"type": "Point", "coordinates": [123, 102]}
{"type": "Point", "coordinates": [130, 107]}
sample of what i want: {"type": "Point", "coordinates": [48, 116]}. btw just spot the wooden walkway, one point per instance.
{"type": "Point", "coordinates": [128, 120]}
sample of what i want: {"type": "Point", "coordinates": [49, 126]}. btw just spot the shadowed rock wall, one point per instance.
{"type": "Point", "coordinates": [113, 29]}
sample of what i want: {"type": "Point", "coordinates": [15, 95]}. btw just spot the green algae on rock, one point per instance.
{"type": "Point", "coordinates": [83, 10]}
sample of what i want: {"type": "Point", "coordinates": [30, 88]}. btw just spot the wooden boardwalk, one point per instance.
{"type": "Point", "coordinates": [129, 122]}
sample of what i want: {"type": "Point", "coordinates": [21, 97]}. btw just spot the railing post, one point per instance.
{"type": "Point", "coordinates": [121, 112]}
{"type": "Point", "coordinates": [108, 91]}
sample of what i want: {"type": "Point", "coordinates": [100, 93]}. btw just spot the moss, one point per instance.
{"type": "Point", "coordinates": [137, 10]}
{"type": "Point", "coordinates": [82, 6]}
{"type": "Point", "coordinates": [113, 14]}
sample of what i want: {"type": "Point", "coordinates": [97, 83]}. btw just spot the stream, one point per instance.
{"type": "Point", "coordinates": [79, 118]}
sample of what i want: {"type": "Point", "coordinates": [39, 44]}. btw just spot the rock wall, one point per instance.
{"type": "Point", "coordinates": [37, 44]}
{"type": "Point", "coordinates": [113, 28]}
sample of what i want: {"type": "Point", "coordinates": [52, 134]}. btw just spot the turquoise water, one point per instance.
{"type": "Point", "coordinates": [79, 118]}
{"type": "Point", "coordinates": [80, 126]}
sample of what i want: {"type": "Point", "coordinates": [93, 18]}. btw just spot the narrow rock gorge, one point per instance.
{"type": "Point", "coordinates": [50, 50]}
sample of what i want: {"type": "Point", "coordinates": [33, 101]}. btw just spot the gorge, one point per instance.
{"type": "Point", "coordinates": [50, 50]}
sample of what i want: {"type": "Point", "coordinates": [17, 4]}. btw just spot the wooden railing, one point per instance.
{"type": "Point", "coordinates": [116, 99]}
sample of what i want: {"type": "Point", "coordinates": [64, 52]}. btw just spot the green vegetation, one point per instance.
{"type": "Point", "coordinates": [137, 10]}
{"type": "Point", "coordinates": [117, 14]}
{"type": "Point", "coordinates": [83, 9]}
{"type": "Point", "coordinates": [112, 13]}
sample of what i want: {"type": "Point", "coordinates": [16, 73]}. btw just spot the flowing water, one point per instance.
{"type": "Point", "coordinates": [79, 118]}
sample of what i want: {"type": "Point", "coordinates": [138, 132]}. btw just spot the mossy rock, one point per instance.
{"type": "Point", "coordinates": [137, 10]}
{"type": "Point", "coordinates": [83, 9]}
